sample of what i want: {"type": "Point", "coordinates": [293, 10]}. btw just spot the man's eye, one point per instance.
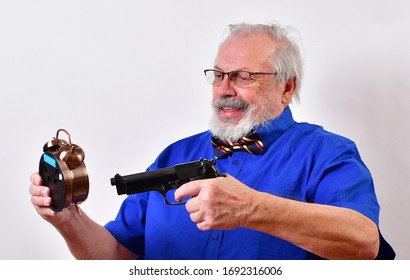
{"type": "Point", "coordinates": [243, 77]}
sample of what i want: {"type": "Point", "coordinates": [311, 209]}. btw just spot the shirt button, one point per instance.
{"type": "Point", "coordinates": [215, 236]}
{"type": "Point", "coordinates": [235, 162]}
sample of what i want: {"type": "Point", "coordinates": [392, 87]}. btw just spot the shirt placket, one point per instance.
{"type": "Point", "coordinates": [233, 166]}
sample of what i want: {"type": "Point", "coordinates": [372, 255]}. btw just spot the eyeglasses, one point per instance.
{"type": "Point", "coordinates": [238, 78]}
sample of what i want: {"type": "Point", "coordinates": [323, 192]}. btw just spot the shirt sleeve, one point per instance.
{"type": "Point", "coordinates": [128, 228]}
{"type": "Point", "coordinates": [345, 181]}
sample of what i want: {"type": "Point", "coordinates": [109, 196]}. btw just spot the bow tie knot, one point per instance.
{"type": "Point", "coordinates": [250, 143]}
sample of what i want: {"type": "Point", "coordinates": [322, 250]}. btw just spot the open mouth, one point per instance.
{"type": "Point", "coordinates": [230, 108]}
{"type": "Point", "coordinates": [231, 112]}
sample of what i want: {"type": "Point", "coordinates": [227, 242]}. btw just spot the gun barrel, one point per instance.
{"type": "Point", "coordinates": [144, 181]}
{"type": "Point", "coordinates": [164, 179]}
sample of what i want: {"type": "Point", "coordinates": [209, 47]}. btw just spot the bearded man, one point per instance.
{"type": "Point", "coordinates": [291, 191]}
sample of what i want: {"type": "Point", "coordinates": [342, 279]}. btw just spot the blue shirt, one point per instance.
{"type": "Point", "coordinates": [302, 162]}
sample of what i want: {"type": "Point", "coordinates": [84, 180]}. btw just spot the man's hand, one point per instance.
{"type": "Point", "coordinates": [220, 203]}
{"type": "Point", "coordinates": [40, 198]}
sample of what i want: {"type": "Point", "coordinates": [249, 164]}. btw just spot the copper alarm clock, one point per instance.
{"type": "Point", "coordinates": [63, 170]}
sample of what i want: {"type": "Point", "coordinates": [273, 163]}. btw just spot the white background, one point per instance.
{"type": "Point", "coordinates": [115, 73]}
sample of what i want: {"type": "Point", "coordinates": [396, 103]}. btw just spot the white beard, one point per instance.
{"type": "Point", "coordinates": [228, 130]}
{"type": "Point", "coordinates": [233, 129]}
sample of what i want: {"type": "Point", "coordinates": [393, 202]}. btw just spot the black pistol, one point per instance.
{"type": "Point", "coordinates": [164, 179]}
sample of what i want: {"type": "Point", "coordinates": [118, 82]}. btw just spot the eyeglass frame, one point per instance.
{"type": "Point", "coordinates": [236, 71]}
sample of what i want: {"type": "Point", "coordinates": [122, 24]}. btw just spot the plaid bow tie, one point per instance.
{"type": "Point", "coordinates": [250, 143]}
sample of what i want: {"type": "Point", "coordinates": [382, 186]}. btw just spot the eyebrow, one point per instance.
{"type": "Point", "coordinates": [240, 69]}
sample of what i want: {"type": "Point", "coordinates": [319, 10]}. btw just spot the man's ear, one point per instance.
{"type": "Point", "coordinates": [288, 91]}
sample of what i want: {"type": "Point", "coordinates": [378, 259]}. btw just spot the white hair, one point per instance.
{"type": "Point", "coordinates": [287, 59]}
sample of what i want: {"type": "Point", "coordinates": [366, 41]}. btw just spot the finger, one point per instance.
{"type": "Point", "coordinates": [36, 190]}
{"type": "Point", "coordinates": [36, 179]}
{"type": "Point", "coordinates": [189, 189]}
{"type": "Point", "coordinates": [45, 212]}
{"type": "Point", "coordinates": [39, 201]}
{"type": "Point", "coordinates": [192, 205]}
{"type": "Point", "coordinates": [203, 226]}
{"type": "Point", "coordinates": [196, 217]}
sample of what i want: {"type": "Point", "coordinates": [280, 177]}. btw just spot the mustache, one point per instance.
{"type": "Point", "coordinates": [231, 103]}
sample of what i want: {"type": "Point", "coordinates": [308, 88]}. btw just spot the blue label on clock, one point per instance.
{"type": "Point", "coordinates": [51, 161]}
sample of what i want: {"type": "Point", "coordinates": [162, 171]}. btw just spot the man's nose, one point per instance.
{"type": "Point", "coordinates": [226, 87]}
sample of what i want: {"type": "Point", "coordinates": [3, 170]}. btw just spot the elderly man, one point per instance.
{"type": "Point", "coordinates": [292, 190]}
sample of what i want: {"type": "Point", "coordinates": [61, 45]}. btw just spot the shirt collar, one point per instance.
{"type": "Point", "coordinates": [271, 130]}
